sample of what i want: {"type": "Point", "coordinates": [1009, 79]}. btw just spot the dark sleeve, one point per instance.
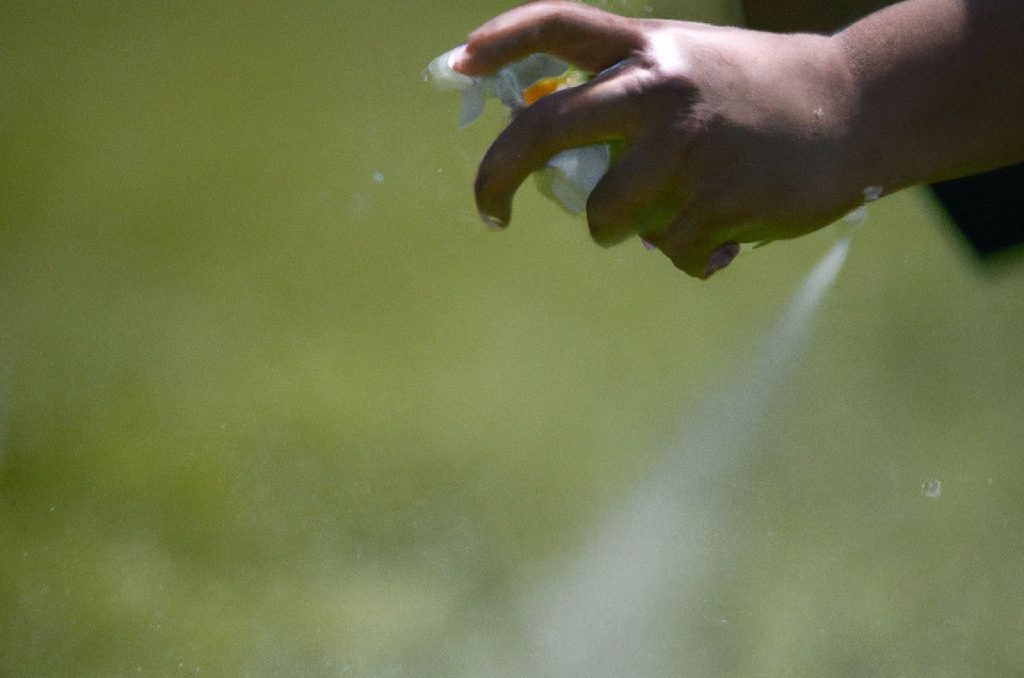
{"type": "Point", "coordinates": [988, 208]}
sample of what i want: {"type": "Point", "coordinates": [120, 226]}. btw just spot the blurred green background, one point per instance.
{"type": "Point", "coordinates": [274, 403]}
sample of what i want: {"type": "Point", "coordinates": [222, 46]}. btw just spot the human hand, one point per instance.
{"type": "Point", "coordinates": [729, 135]}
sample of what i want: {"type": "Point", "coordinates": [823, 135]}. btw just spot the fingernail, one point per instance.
{"type": "Point", "coordinates": [457, 57]}
{"type": "Point", "coordinates": [492, 222]}
{"type": "Point", "coordinates": [721, 258]}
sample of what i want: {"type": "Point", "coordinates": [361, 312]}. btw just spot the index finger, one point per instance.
{"type": "Point", "coordinates": [588, 38]}
{"type": "Point", "coordinates": [595, 112]}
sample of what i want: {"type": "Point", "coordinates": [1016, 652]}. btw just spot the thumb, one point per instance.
{"type": "Point", "coordinates": [585, 37]}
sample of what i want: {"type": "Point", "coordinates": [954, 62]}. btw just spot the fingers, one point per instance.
{"type": "Point", "coordinates": [642, 192]}
{"type": "Point", "coordinates": [595, 112]}
{"type": "Point", "coordinates": [585, 37]}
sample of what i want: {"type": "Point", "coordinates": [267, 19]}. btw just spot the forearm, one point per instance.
{"type": "Point", "coordinates": [940, 89]}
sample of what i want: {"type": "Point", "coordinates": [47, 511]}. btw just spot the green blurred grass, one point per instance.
{"type": "Point", "coordinates": [273, 403]}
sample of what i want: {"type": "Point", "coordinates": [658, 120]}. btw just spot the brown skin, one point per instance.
{"type": "Point", "coordinates": [734, 135]}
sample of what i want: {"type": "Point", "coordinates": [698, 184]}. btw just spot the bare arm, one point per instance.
{"type": "Point", "coordinates": [737, 136]}
{"type": "Point", "coordinates": [940, 87]}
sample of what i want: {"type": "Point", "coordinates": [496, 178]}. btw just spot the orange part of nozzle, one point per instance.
{"type": "Point", "coordinates": [542, 88]}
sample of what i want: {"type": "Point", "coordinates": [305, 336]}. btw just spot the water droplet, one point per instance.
{"type": "Point", "coordinates": [932, 488]}
{"type": "Point", "coordinates": [378, 177]}
{"type": "Point", "coordinates": [492, 222]}
{"type": "Point", "coordinates": [857, 217]}
{"type": "Point", "coordinates": [872, 193]}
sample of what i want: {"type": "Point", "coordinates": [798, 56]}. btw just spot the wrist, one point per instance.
{"type": "Point", "coordinates": [937, 90]}
{"type": "Point", "coordinates": [863, 137]}
{"type": "Point", "coordinates": [843, 159]}
{"type": "Point", "coordinates": [879, 151]}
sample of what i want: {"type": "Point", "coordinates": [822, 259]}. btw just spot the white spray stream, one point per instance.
{"type": "Point", "coordinates": [604, 614]}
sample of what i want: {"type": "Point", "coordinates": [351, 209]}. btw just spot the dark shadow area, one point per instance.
{"type": "Point", "coordinates": [987, 208]}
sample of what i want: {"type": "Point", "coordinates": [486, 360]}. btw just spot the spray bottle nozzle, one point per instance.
{"type": "Point", "coordinates": [568, 177]}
